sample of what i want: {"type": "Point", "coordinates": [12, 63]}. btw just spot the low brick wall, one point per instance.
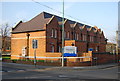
{"type": "Point", "coordinates": [101, 59]}
{"type": "Point", "coordinates": [24, 62]}
{"type": "Point", "coordinates": [70, 64]}
{"type": "Point", "coordinates": [7, 60]}
{"type": "Point", "coordinates": [32, 63]}
{"type": "Point", "coordinates": [49, 63]}
{"type": "Point", "coordinates": [104, 58]}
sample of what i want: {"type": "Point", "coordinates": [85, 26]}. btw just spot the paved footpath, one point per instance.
{"type": "Point", "coordinates": [24, 71]}
{"type": "Point", "coordinates": [37, 67]}
{"type": "Point", "coordinates": [10, 67]}
{"type": "Point", "coordinates": [93, 67]}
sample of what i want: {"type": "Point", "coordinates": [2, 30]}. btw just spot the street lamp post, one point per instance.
{"type": "Point", "coordinates": [63, 37]}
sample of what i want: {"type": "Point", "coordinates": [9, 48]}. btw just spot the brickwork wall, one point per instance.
{"type": "Point", "coordinates": [67, 29]}
{"type": "Point", "coordinates": [102, 47]}
{"type": "Point", "coordinates": [19, 41]}
{"type": "Point", "coordinates": [73, 64]}
{"type": "Point", "coordinates": [52, 41]}
{"type": "Point", "coordinates": [45, 41]}
{"type": "Point", "coordinates": [81, 47]}
{"type": "Point", "coordinates": [103, 58]}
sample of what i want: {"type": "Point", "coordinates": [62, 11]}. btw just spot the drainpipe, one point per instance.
{"type": "Point", "coordinates": [27, 44]}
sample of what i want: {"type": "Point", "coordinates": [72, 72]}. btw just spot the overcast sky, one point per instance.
{"type": "Point", "coordinates": [104, 15]}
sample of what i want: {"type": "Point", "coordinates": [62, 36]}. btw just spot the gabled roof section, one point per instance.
{"type": "Point", "coordinates": [72, 25]}
{"type": "Point", "coordinates": [50, 19]}
{"type": "Point", "coordinates": [60, 22]}
{"type": "Point", "coordinates": [99, 30]}
{"type": "Point", "coordinates": [59, 18]}
{"type": "Point", "coordinates": [88, 27]}
{"type": "Point", "coordinates": [75, 24]}
{"type": "Point", "coordinates": [16, 24]}
{"type": "Point", "coordinates": [80, 24]}
{"type": "Point", "coordinates": [94, 29]}
{"type": "Point", "coordinates": [47, 15]}
{"type": "Point", "coordinates": [37, 23]}
{"type": "Point", "coordinates": [71, 22]}
{"type": "Point", "coordinates": [82, 27]}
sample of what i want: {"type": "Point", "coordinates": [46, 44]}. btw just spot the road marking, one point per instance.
{"type": "Point", "coordinates": [9, 71]}
{"type": "Point", "coordinates": [62, 76]}
{"type": "Point", "coordinates": [20, 70]}
{"type": "Point", "coordinates": [2, 71]}
{"type": "Point", "coordinates": [14, 71]}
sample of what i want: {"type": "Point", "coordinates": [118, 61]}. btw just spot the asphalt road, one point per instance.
{"type": "Point", "coordinates": [17, 71]}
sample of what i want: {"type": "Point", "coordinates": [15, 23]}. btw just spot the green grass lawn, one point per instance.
{"type": "Point", "coordinates": [6, 57]}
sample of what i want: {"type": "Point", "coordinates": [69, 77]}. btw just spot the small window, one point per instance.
{"type": "Point", "coordinates": [52, 33]}
{"type": "Point", "coordinates": [76, 36]}
{"type": "Point", "coordinates": [68, 35]}
{"type": "Point", "coordinates": [97, 48]}
{"type": "Point", "coordinates": [52, 49]}
{"type": "Point", "coordinates": [55, 33]}
{"type": "Point", "coordinates": [84, 37]}
{"type": "Point", "coordinates": [59, 49]}
{"type": "Point", "coordinates": [91, 38]}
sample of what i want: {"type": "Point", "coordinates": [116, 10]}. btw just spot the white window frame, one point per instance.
{"type": "Point", "coordinates": [84, 37]}
{"type": "Point", "coordinates": [59, 48]}
{"type": "Point", "coordinates": [90, 38]}
{"type": "Point", "coordinates": [55, 33]}
{"type": "Point", "coordinates": [52, 33]}
{"type": "Point", "coordinates": [53, 49]}
{"type": "Point", "coordinates": [77, 36]}
{"type": "Point", "coordinates": [93, 38]}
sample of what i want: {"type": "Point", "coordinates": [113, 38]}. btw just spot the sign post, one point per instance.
{"type": "Point", "coordinates": [35, 46]}
{"type": "Point", "coordinates": [35, 57]}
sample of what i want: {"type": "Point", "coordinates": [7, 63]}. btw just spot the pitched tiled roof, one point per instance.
{"type": "Point", "coordinates": [36, 23]}
{"type": "Point", "coordinates": [39, 22]}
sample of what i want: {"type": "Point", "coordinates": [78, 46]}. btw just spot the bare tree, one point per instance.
{"type": "Point", "coordinates": [5, 35]}
{"type": "Point", "coordinates": [112, 39]}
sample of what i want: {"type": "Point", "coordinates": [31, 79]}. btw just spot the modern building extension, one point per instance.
{"type": "Point", "coordinates": [47, 29]}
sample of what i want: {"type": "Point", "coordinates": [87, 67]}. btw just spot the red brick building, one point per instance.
{"type": "Point", "coordinates": [47, 29]}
